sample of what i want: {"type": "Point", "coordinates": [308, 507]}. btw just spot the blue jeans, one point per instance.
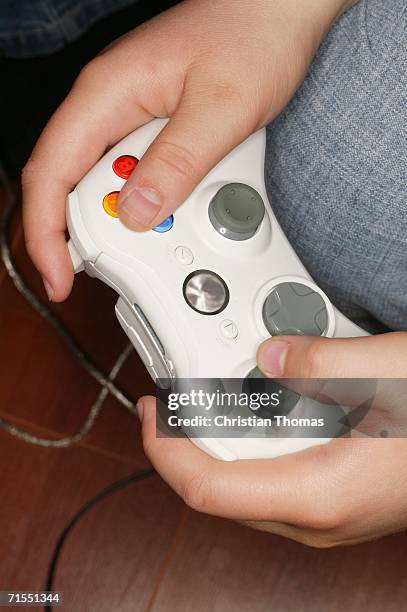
{"type": "Point", "coordinates": [33, 28]}
{"type": "Point", "coordinates": [336, 165]}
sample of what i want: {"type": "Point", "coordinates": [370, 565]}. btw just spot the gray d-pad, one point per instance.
{"type": "Point", "coordinates": [295, 309]}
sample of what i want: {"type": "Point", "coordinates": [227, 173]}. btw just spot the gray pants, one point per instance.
{"type": "Point", "coordinates": [336, 165]}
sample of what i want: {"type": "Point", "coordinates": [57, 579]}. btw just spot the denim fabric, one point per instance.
{"type": "Point", "coordinates": [32, 28]}
{"type": "Point", "coordinates": [336, 165]}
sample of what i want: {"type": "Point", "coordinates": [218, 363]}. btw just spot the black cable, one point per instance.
{"type": "Point", "coordinates": [109, 490]}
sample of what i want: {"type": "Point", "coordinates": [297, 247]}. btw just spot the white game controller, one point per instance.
{"type": "Point", "coordinates": [201, 291]}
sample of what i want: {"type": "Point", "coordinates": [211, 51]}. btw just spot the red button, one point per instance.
{"type": "Point", "coordinates": [124, 165]}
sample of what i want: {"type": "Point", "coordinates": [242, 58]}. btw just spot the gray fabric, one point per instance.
{"type": "Point", "coordinates": [336, 165]}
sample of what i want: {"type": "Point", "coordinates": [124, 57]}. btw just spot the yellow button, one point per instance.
{"type": "Point", "coordinates": [109, 203]}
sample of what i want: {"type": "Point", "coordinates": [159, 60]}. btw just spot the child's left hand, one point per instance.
{"type": "Point", "coordinates": [347, 491]}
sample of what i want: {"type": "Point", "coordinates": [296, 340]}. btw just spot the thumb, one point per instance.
{"type": "Point", "coordinates": [382, 356]}
{"type": "Point", "coordinates": [196, 138]}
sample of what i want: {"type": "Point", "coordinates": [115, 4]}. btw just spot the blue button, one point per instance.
{"type": "Point", "coordinates": [165, 225]}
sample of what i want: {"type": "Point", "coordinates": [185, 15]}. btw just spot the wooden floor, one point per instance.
{"type": "Point", "coordinates": [141, 549]}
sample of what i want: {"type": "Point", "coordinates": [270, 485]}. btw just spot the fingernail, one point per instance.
{"type": "Point", "coordinates": [48, 289]}
{"type": "Point", "coordinates": [272, 356]}
{"type": "Point", "coordinates": [140, 410]}
{"type": "Point", "coordinates": [142, 205]}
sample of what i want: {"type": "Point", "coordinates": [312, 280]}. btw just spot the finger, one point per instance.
{"type": "Point", "coordinates": [310, 537]}
{"type": "Point", "coordinates": [382, 356]}
{"type": "Point", "coordinates": [207, 125]}
{"type": "Point", "coordinates": [282, 490]}
{"type": "Point", "coordinates": [75, 138]}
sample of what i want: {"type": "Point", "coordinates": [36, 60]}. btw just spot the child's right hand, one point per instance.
{"type": "Point", "coordinates": [218, 69]}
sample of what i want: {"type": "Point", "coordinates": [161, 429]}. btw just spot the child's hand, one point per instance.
{"type": "Point", "coordinates": [219, 69]}
{"type": "Point", "coordinates": [347, 491]}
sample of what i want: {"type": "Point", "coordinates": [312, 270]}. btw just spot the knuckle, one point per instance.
{"type": "Point", "coordinates": [326, 518]}
{"type": "Point", "coordinates": [29, 172]}
{"type": "Point", "coordinates": [227, 95]}
{"type": "Point", "coordinates": [227, 100]}
{"type": "Point", "coordinates": [85, 75]}
{"type": "Point", "coordinates": [31, 247]}
{"type": "Point", "coordinates": [148, 445]}
{"type": "Point", "coordinates": [196, 492]}
{"type": "Point", "coordinates": [212, 83]}
{"type": "Point", "coordinates": [176, 158]}
{"type": "Point", "coordinates": [91, 71]}
{"type": "Point", "coordinates": [314, 359]}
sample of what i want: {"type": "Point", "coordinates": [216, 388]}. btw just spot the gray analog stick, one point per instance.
{"type": "Point", "coordinates": [236, 211]}
{"type": "Point", "coordinates": [295, 309]}
{"type": "Point", "coordinates": [256, 382]}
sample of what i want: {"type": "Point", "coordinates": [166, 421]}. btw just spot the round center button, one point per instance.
{"type": "Point", "coordinates": [206, 292]}
{"type": "Point", "coordinates": [236, 211]}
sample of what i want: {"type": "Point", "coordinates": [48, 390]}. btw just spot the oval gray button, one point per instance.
{"type": "Point", "coordinates": [236, 211]}
{"type": "Point", "coordinates": [295, 309]}
{"type": "Point", "coordinates": [206, 292]}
